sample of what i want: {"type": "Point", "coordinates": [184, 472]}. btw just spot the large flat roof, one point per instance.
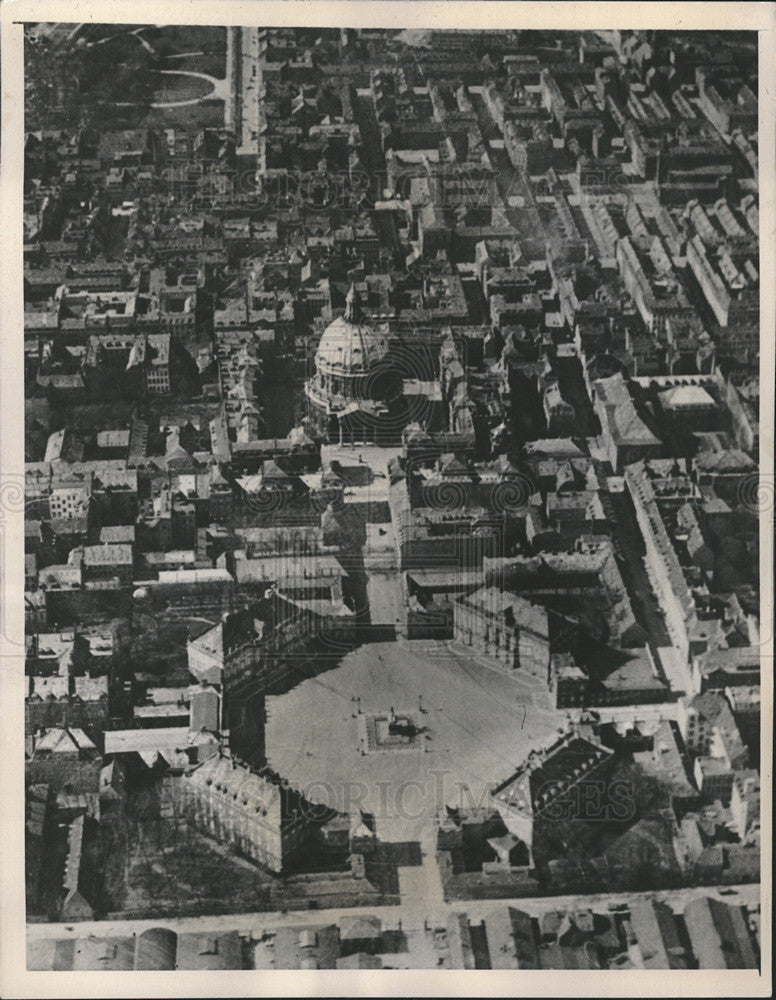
{"type": "Point", "coordinates": [143, 740]}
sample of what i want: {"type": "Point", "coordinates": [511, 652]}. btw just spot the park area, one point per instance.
{"type": "Point", "coordinates": [127, 76]}
{"type": "Point", "coordinates": [153, 863]}
{"type": "Point", "coordinates": [176, 87]}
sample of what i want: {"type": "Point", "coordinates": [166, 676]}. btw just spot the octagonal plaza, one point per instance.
{"type": "Point", "coordinates": [470, 728]}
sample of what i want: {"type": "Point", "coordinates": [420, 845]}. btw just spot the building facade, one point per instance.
{"type": "Point", "coordinates": [506, 628]}
{"type": "Point", "coordinates": [248, 809]}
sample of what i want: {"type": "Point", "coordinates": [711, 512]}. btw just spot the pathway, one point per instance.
{"type": "Point", "coordinates": [219, 92]}
{"type": "Point", "coordinates": [220, 89]}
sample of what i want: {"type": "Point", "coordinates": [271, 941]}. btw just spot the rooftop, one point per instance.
{"type": "Point", "coordinates": [548, 773]}
{"type": "Point", "coordinates": [108, 555]}
{"type": "Point", "coordinates": [512, 608]}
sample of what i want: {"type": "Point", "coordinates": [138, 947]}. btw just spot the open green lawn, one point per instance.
{"type": "Point", "coordinates": [179, 87]}
{"type": "Point", "coordinates": [206, 114]}
{"type": "Point", "coordinates": [177, 40]}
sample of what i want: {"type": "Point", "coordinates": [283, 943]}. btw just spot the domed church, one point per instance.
{"type": "Point", "coordinates": [346, 397]}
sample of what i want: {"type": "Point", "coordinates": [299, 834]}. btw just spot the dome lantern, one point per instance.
{"type": "Point", "coordinates": [353, 311]}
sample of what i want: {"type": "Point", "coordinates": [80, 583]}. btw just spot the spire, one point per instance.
{"type": "Point", "coordinates": [353, 311]}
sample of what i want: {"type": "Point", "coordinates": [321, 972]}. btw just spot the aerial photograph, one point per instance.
{"type": "Point", "coordinates": [392, 499]}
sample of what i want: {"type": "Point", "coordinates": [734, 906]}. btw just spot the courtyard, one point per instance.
{"type": "Point", "coordinates": [461, 728]}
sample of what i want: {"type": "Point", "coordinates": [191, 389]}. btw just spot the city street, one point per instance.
{"type": "Point", "coordinates": [409, 915]}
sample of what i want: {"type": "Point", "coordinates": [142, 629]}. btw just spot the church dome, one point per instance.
{"type": "Point", "coordinates": [349, 346]}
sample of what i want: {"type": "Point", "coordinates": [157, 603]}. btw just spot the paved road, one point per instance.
{"type": "Point", "coordinates": [409, 915]}
{"type": "Point", "coordinates": [374, 160]}
{"type": "Point", "coordinates": [385, 601]}
{"type": "Point", "coordinates": [423, 885]}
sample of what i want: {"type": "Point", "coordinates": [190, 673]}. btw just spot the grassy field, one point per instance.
{"type": "Point", "coordinates": [207, 46]}
{"type": "Point", "coordinates": [160, 866]}
{"type": "Point", "coordinates": [210, 63]}
{"type": "Point", "coordinates": [206, 114]}
{"type": "Point", "coordinates": [93, 76]}
{"type": "Point", "coordinates": [180, 87]}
